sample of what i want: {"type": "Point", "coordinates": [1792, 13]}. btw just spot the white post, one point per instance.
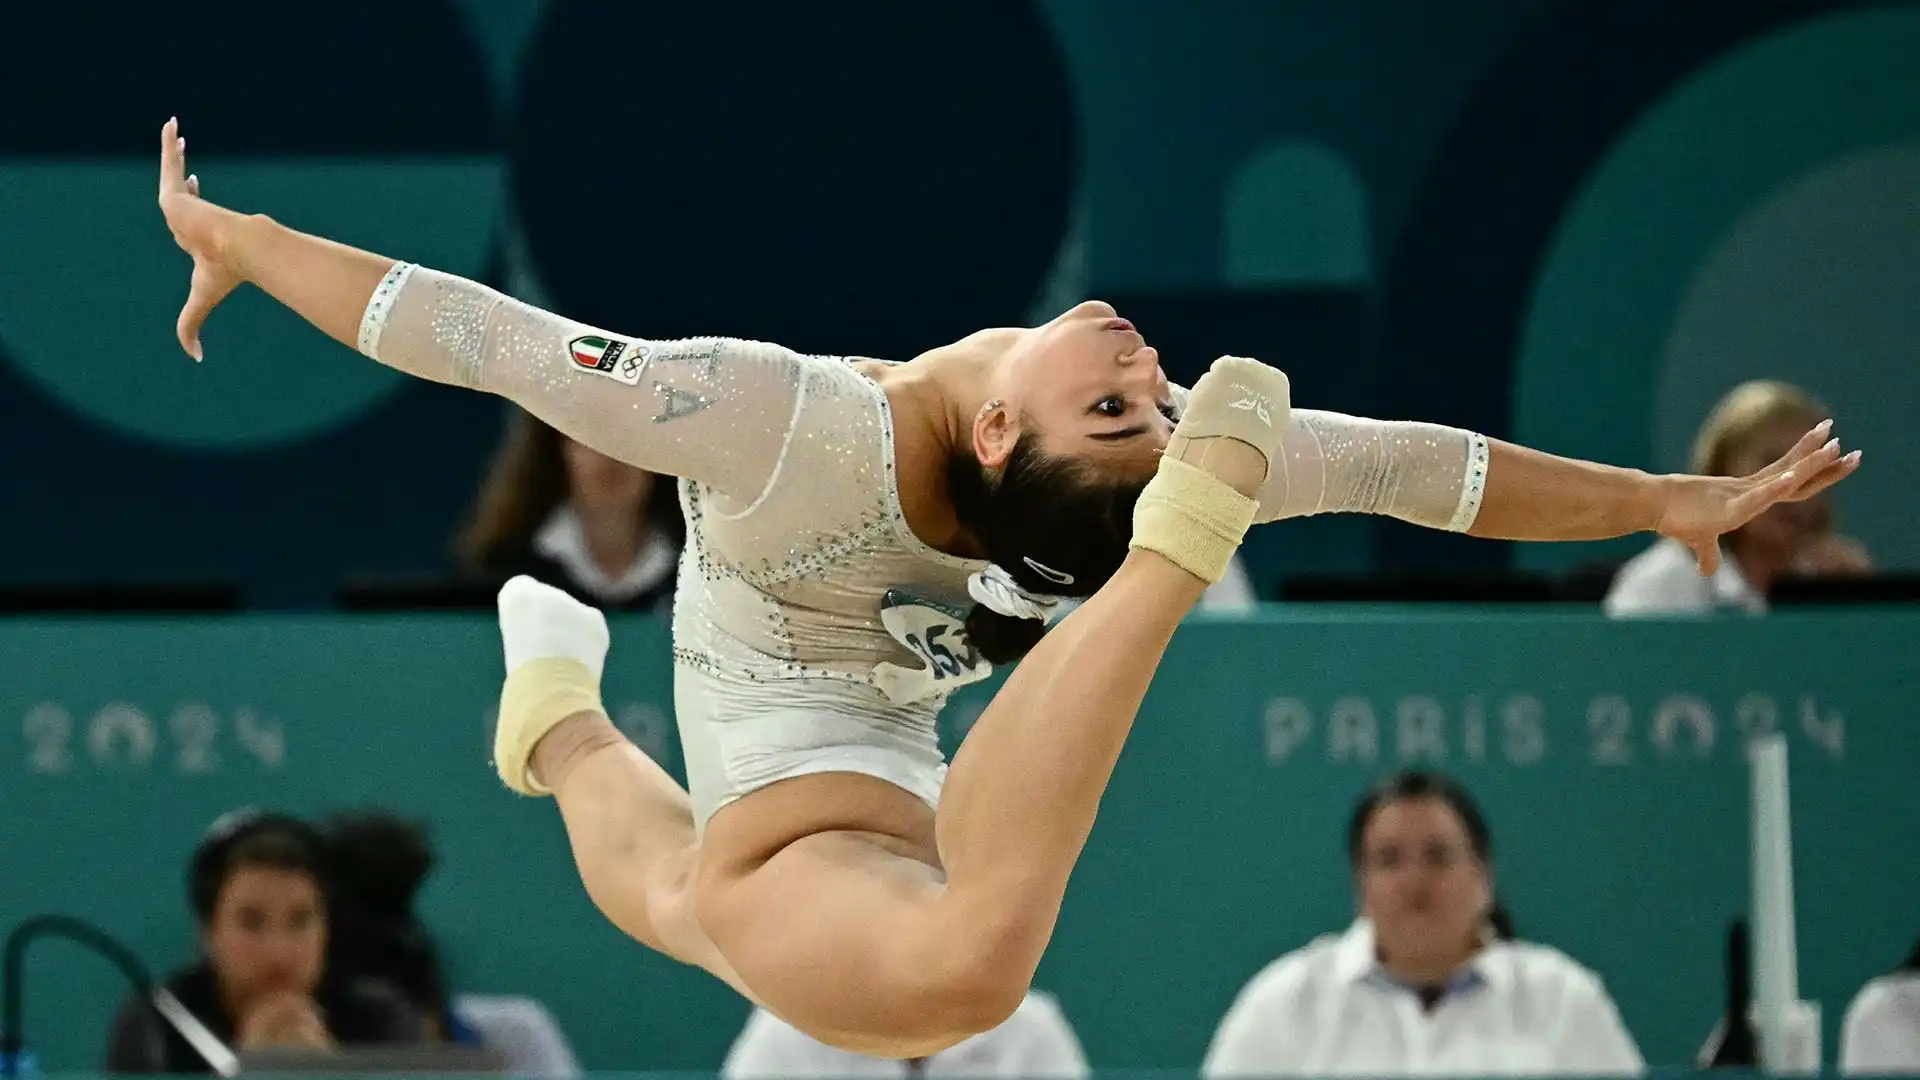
{"type": "Point", "coordinates": [1789, 1028]}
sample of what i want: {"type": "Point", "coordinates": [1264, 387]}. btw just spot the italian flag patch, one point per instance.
{"type": "Point", "coordinates": [597, 353]}
{"type": "Point", "coordinates": [616, 359]}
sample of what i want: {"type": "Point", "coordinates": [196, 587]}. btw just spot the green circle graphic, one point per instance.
{"type": "Point", "coordinates": [94, 282]}
{"type": "Point", "coordinates": [1671, 194]}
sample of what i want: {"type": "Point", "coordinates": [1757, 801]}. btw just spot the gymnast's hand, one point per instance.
{"type": "Point", "coordinates": [202, 230]}
{"type": "Point", "coordinates": [1698, 510]}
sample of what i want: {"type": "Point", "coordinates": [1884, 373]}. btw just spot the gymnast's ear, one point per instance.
{"type": "Point", "coordinates": [996, 431]}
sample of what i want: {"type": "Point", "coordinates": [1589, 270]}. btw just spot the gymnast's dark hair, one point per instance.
{"type": "Point", "coordinates": [1054, 512]}
{"type": "Point", "coordinates": [1421, 784]}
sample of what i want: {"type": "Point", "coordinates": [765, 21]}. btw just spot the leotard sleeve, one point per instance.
{"type": "Point", "coordinates": [1427, 474]}
{"type": "Point", "coordinates": [1331, 463]}
{"type": "Point", "coordinates": [718, 411]}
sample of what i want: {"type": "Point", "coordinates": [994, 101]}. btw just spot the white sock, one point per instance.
{"type": "Point", "coordinates": [539, 622]}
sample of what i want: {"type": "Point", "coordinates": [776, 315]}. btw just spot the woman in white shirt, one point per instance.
{"type": "Point", "coordinates": [607, 533]}
{"type": "Point", "coordinates": [1881, 1033]}
{"type": "Point", "coordinates": [1421, 983]}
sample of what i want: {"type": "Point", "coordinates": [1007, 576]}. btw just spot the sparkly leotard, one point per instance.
{"type": "Point", "coordinates": [813, 632]}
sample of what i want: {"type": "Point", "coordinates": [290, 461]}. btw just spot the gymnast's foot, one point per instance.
{"type": "Point", "coordinates": [556, 649]}
{"type": "Point", "coordinates": [538, 621]}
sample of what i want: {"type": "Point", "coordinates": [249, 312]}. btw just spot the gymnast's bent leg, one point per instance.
{"type": "Point", "coordinates": [872, 951]}
{"type": "Point", "coordinates": [629, 823]}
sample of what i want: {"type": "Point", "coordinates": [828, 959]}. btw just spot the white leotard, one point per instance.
{"type": "Point", "coordinates": [813, 632]}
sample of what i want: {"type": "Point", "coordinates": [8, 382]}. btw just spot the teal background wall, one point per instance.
{"type": "Point", "coordinates": [1608, 758]}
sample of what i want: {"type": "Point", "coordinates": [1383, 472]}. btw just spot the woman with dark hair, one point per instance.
{"type": "Point", "coordinates": [1428, 980]}
{"type": "Point", "coordinates": [841, 515]}
{"type": "Point", "coordinates": [379, 862]}
{"type": "Point", "coordinates": [559, 511]}
{"type": "Point", "coordinates": [258, 885]}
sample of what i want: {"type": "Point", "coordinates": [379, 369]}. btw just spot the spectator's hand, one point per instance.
{"type": "Point", "coordinates": [1834, 555]}
{"type": "Point", "coordinates": [1699, 510]}
{"type": "Point", "coordinates": [285, 1020]}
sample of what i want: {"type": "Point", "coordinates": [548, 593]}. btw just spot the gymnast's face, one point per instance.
{"type": "Point", "coordinates": [1090, 387]}
{"type": "Point", "coordinates": [1421, 883]}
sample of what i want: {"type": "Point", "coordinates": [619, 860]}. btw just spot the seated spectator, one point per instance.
{"type": "Point", "coordinates": [258, 887]}
{"type": "Point", "coordinates": [600, 529]}
{"type": "Point", "coordinates": [379, 863]}
{"type": "Point", "coordinates": [1035, 1043]}
{"type": "Point", "coordinates": [1881, 1033]}
{"type": "Point", "coordinates": [1753, 426]}
{"type": "Point", "coordinates": [522, 1033]}
{"type": "Point", "coordinates": [1423, 982]}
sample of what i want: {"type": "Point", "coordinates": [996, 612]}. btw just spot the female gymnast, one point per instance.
{"type": "Point", "coordinates": [841, 512]}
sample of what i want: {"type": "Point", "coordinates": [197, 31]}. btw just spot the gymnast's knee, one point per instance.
{"type": "Point", "coordinates": [942, 989]}
{"type": "Point", "coordinates": [980, 1001]}
{"type": "Point", "coordinates": [942, 1009]}
{"type": "Point", "coordinates": [982, 973]}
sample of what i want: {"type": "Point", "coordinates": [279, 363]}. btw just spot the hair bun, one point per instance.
{"type": "Point", "coordinates": [1002, 639]}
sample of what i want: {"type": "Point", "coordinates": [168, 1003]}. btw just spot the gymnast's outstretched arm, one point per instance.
{"type": "Point", "coordinates": [1446, 478]}
{"type": "Point", "coordinates": [716, 410]}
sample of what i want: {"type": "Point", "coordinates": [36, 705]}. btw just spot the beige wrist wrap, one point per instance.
{"type": "Point", "coordinates": [1190, 515]}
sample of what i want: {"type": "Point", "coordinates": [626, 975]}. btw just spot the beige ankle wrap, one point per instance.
{"type": "Point", "coordinates": [538, 695]}
{"type": "Point", "coordinates": [1193, 519]}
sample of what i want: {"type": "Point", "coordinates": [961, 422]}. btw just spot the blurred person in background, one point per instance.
{"type": "Point", "coordinates": [1234, 593]}
{"type": "Point", "coordinates": [258, 884]}
{"type": "Point", "coordinates": [1748, 428]}
{"type": "Point", "coordinates": [1880, 1035]}
{"type": "Point", "coordinates": [1426, 981]}
{"type": "Point", "coordinates": [604, 531]}
{"type": "Point", "coordinates": [1035, 1043]}
{"type": "Point", "coordinates": [379, 863]}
